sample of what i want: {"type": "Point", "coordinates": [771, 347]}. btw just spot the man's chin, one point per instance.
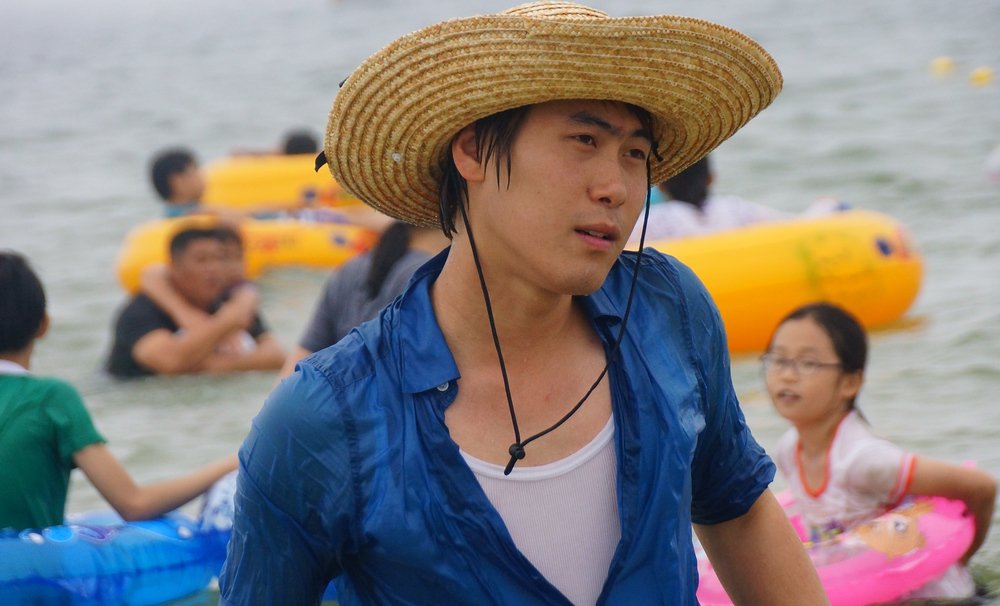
{"type": "Point", "coordinates": [585, 285]}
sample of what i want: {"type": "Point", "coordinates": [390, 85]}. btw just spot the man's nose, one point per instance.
{"type": "Point", "coordinates": [608, 183]}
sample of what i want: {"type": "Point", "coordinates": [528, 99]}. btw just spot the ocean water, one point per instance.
{"type": "Point", "coordinates": [91, 90]}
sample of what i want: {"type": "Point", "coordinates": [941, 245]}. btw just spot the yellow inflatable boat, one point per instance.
{"type": "Point", "coordinates": [267, 244]}
{"type": "Point", "coordinates": [861, 260]}
{"type": "Point", "coordinates": [278, 182]}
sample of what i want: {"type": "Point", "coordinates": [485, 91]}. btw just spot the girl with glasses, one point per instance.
{"type": "Point", "coordinates": [840, 473]}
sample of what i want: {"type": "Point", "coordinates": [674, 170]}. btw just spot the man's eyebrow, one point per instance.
{"type": "Point", "coordinates": [584, 117]}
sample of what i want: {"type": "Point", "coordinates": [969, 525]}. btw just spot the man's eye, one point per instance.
{"type": "Point", "coordinates": [585, 139]}
{"type": "Point", "coordinates": [638, 154]}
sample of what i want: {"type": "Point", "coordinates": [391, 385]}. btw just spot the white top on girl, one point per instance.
{"type": "Point", "coordinates": [865, 476]}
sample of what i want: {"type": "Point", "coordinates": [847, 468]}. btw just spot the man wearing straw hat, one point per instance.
{"type": "Point", "coordinates": [539, 418]}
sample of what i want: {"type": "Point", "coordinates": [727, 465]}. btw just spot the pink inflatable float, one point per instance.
{"type": "Point", "coordinates": [878, 561]}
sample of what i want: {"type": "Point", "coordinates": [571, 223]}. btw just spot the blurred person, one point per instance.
{"type": "Point", "coordinates": [540, 417]}
{"type": "Point", "coordinates": [47, 430]}
{"type": "Point", "coordinates": [691, 209]}
{"type": "Point", "coordinates": [155, 283]}
{"type": "Point", "coordinates": [149, 340]}
{"type": "Point", "coordinates": [841, 474]}
{"type": "Point", "coordinates": [179, 181]}
{"type": "Point", "coordinates": [299, 142]}
{"type": "Point", "coordinates": [359, 289]}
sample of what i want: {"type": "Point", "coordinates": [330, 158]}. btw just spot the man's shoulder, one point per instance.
{"type": "Point", "coordinates": [47, 387]}
{"type": "Point", "coordinates": [344, 381]}
{"type": "Point", "coordinates": [140, 304]}
{"type": "Point", "coordinates": [353, 358]}
{"type": "Point", "coordinates": [141, 309]}
{"type": "Point", "coordinates": [138, 317]}
{"type": "Point", "coordinates": [43, 394]}
{"type": "Point", "coordinates": [667, 293]}
{"type": "Point", "coordinates": [659, 272]}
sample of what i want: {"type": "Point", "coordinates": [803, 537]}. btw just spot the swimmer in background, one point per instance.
{"type": "Point", "coordinates": [179, 181]}
{"type": "Point", "coordinates": [360, 288]}
{"type": "Point", "coordinates": [841, 474]}
{"type": "Point", "coordinates": [155, 283]}
{"type": "Point", "coordinates": [691, 209]}
{"type": "Point", "coordinates": [148, 339]}
{"type": "Point", "coordinates": [47, 430]}
{"type": "Point", "coordinates": [295, 142]}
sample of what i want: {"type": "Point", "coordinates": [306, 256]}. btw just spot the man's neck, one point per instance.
{"type": "Point", "coordinates": [21, 358]}
{"type": "Point", "coordinates": [527, 320]}
{"type": "Point", "coordinates": [178, 287]}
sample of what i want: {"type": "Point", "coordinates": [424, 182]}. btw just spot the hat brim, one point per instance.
{"type": "Point", "coordinates": [394, 117]}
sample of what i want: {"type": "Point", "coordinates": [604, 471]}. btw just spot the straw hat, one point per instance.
{"type": "Point", "coordinates": [392, 121]}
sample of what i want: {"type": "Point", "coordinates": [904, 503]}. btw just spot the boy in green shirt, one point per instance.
{"type": "Point", "coordinates": [46, 431]}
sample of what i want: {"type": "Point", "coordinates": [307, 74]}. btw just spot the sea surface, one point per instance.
{"type": "Point", "coordinates": [89, 91]}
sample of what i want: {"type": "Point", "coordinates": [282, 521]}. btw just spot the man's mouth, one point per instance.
{"type": "Point", "coordinates": [594, 233]}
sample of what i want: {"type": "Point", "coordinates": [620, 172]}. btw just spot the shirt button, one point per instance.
{"type": "Point", "coordinates": [442, 387]}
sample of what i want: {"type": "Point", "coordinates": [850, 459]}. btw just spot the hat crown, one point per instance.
{"type": "Point", "coordinates": [569, 11]}
{"type": "Point", "coordinates": [392, 122]}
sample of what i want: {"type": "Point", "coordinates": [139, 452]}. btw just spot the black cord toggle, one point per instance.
{"type": "Point", "coordinates": [516, 454]}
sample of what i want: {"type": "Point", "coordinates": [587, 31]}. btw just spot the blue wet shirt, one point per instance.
{"type": "Point", "coordinates": [349, 471]}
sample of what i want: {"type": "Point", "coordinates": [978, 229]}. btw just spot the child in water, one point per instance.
{"type": "Point", "coordinates": [840, 473]}
{"type": "Point", "coordinates": [47, 431]}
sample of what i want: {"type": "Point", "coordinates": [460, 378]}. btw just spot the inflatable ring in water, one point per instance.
{"type": "Point", "coordinates": [861, 260]}
{"type": "Point", "coordinates": [97, 558]}
{"type": "Point", "coordinates": [267, 243]}
{"type": "Point", "coordinates": [878, 561]}
{"type": "Point", "coordinates": [276, 182]}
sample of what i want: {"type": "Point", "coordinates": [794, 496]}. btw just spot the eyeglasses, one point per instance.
{"type": "Point", "coordinates": [803, 366]}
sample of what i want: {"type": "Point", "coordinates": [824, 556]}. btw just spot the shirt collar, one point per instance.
{"type": "Point", "coordinates": [8, 367]}
{"type": "Point", "coordinates": [427, 362]}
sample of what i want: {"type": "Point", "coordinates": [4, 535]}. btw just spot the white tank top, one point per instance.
{"type": "Point", "coordinates": [563, 516]}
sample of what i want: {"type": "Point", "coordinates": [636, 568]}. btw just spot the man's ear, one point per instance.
{"type": "Point", "coordinates": [43, 327]}
{"type": "Point", "coordinates": [465, 156]}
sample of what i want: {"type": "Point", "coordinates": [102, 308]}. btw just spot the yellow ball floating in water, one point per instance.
{"type": "Point", "coordinates": [981, 76]}
{"type": "Point", "coordinates": [942, 66]}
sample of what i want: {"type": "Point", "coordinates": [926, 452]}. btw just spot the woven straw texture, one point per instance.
{"type": "Point", "coordinates": [394, 117]}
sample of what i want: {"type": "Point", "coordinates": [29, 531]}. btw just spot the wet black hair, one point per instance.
{"type": "Point", "coordinates": [391, 247]}
{"type": "Point", "coordinates": [182, 239]}
{"type": "Point", "coordinates": [300, 142]}
{"type": "Point", "coordinates": [226, 234]}
{"type": "Point", "coordinates": [496, 134]}
{"type": "Point", "coordinates": [691, 184]}
{"type": "Point", "coordinates": [22, 302]}
{"type": "Point", "coordinates": [850, 342]}
{"type": "Point", "coordinates": [494, 140]}
{"type": "Point", "coordinates": [166, 164]}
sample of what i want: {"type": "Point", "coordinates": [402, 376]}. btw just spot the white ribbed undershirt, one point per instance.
{"type": "Point", "coordinates": [563, 516]}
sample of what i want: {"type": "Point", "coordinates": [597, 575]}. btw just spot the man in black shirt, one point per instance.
{"type": "Point", "coordinates": [148, 340]}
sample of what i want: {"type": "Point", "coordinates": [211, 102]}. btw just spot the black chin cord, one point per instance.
{"type": "Point", "coordinates": [516, 449]}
